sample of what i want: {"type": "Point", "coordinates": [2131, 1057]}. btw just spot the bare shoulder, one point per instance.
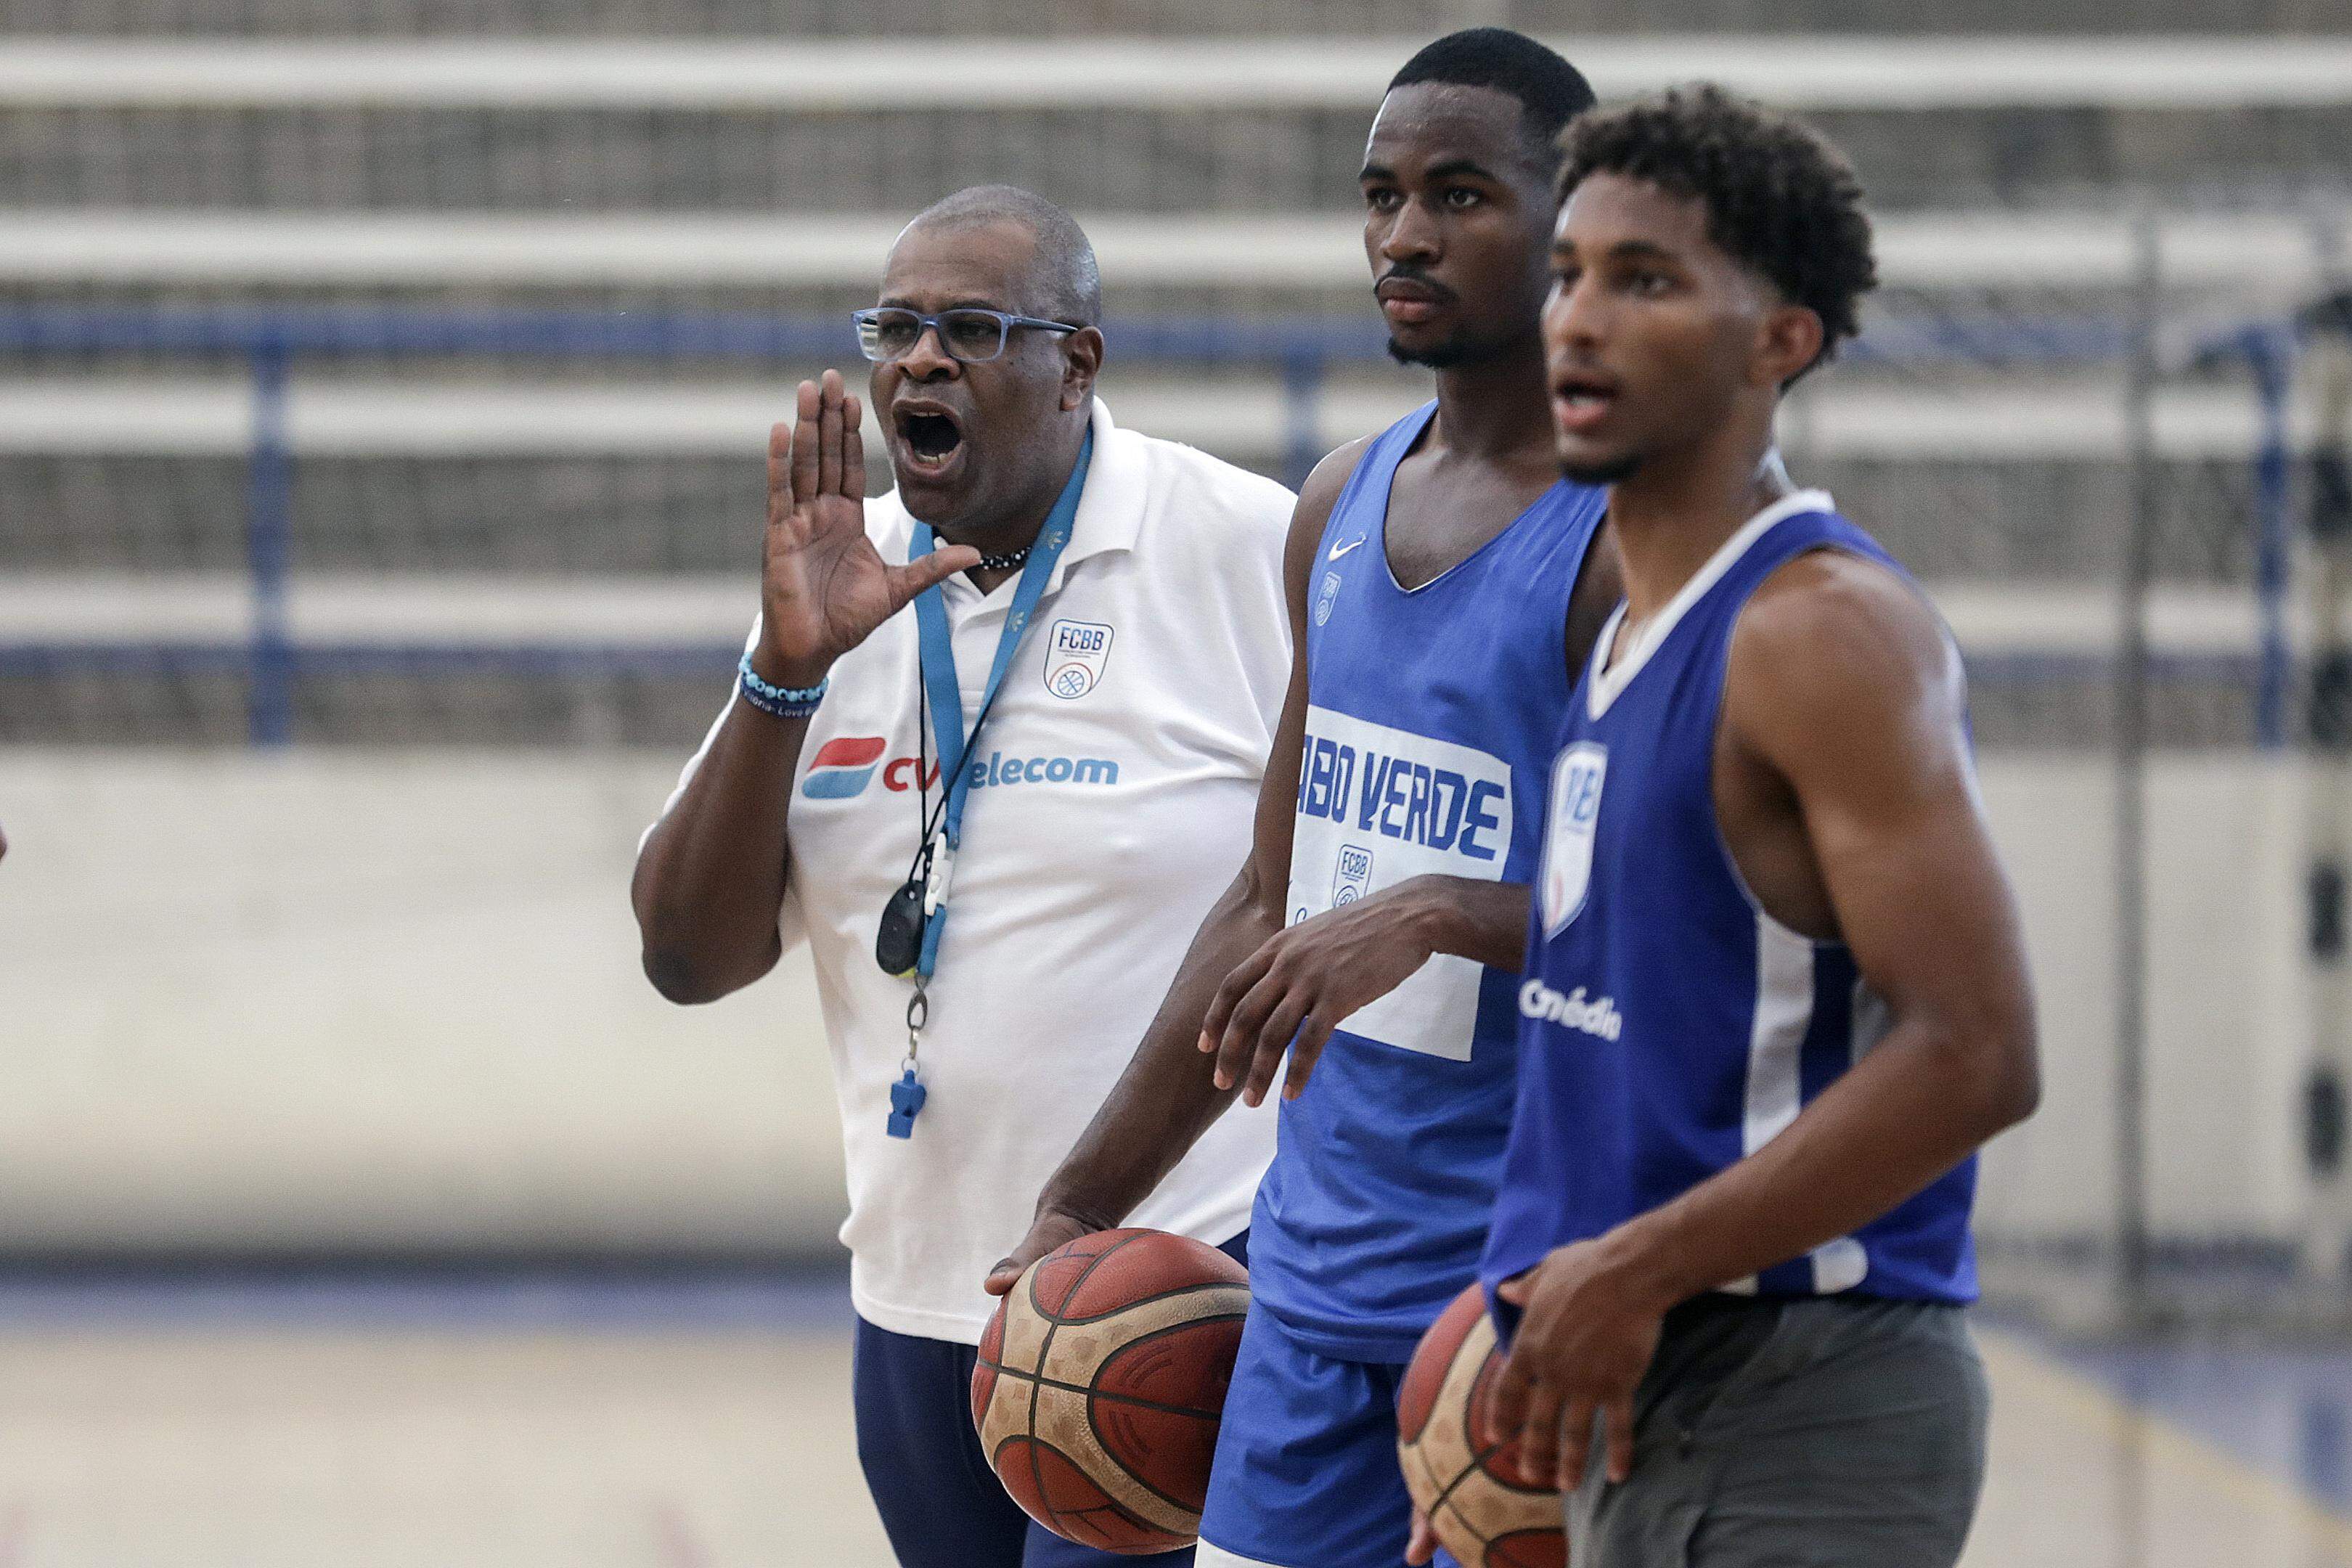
{"type": "Point", "coordinates": [1833, 643]}
{"type": "Point", "coordinates": [1830, 609]}
{"type": "Point", "coordinates": [1316, 497]}
{"type": "Point", "coordinates": [1321, 492]}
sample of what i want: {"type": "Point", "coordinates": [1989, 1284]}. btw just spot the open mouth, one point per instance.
{"type": "Point", "coordinates": [929, 438]}
{"type": "Point", "coordinates": [1580, 400]}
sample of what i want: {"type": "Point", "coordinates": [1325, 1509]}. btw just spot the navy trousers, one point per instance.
{"type": "Point", "coordinates": [940, 1504]}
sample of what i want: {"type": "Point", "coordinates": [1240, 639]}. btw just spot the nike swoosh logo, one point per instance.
{"type": "Point", "coordinates": [1340, 550]}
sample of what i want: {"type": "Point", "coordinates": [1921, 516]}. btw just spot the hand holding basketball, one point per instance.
{"type": "Point", "coordinates": [822, 585]}
{"type": "Point", "coordinates": [1460, 1470]}
{"type": "Point", "coordinates": [1100, 1383]}
{"type": "Point", "coordinates": [1588, 1329]}
{"type": "Point", "coordinates": [1052, 1228]}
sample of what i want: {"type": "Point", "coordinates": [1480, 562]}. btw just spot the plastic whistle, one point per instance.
{"type": "Point", "coordinates": [906, 1097]}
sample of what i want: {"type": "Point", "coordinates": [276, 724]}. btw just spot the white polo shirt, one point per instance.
{"type": "Point", "coordinates": [1116, 781]}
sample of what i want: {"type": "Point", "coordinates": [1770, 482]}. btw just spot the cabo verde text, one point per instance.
{"type": "Point", "coordinates": [1399, 797]}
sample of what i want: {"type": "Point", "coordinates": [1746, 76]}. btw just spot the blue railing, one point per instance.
{"type": "Point", "coordinates": [271, 343]}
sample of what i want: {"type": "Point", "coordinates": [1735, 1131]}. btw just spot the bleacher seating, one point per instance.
{"type": "Point", "coordinates": [492, 171]}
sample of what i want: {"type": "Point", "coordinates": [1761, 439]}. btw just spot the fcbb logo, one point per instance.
{"type": "Point", "coordinates": [1353, 878]}
{"type": "Point", "coordinates": [1570, 819]}
{"type": "Point", "coordinates": [841, 767]}
{"type": "Point", "coordinates": [1075, 656]}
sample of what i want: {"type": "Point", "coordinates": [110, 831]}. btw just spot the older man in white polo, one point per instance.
{"type": "Point", "coordinates": [1088, 625]}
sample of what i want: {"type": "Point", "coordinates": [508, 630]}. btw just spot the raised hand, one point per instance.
{"type": "Point", "coordinates": [822, 585]}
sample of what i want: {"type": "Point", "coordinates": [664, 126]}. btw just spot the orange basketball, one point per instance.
{"type": "Point", "coordinates": [1101, 1380]}
{"type": "Point", "coordinates": [1458, 1472]}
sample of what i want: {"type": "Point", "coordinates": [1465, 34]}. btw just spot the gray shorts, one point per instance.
{"type": "Point", "coordinates": [1829, 1433]}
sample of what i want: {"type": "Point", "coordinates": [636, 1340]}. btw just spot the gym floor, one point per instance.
{"type": "Point", "coordinates": [330, 1422]}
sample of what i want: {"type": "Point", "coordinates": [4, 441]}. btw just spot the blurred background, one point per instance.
{"type": "Point", "coordinates": [383, 388]}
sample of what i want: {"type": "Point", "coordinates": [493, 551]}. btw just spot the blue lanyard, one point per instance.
{"type": "Point", "coordinates": [946, 693]}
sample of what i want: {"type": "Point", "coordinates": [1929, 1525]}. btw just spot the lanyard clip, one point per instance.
{"type": "Point", "coordinates": [938, 876]}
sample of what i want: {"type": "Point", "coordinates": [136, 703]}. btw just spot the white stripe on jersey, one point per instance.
{"type": "Point", "coordinates": [1784, 1011]}
{"type": "Point", "coordinates": [1784, 1014]}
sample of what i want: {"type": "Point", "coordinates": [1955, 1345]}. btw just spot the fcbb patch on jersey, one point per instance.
{"type": "Point", "coordinates": [1570, 817]}
{"type": "Point", "coordinates": [1355, 875]}
{"type": "Point", "coordinates": [1076, 653]}
{"type": "Point", "coordinates": [841, 767]}
{"type": "Point", "coordinates": [1327, 599]}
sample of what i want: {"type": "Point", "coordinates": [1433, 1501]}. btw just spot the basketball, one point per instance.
{"type": "Point", "coordinates": [1100, 1382]}
{"type": "Point", "coordinates": [1457, 1471]}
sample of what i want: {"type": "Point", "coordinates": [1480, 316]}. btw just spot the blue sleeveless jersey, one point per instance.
{"type": "Point", "coordinates": [1431, 719]}
{"type": "Point", "coordinates": [1669, 1026]}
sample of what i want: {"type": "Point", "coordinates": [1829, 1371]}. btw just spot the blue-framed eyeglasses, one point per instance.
{"type": "Point", "coordinates": [970, 335]}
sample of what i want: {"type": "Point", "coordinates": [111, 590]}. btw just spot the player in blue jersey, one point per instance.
{"type": "Point", "coordinates": [1776, 996]}
{"type": "Point", "coordinates": [1381, 915]}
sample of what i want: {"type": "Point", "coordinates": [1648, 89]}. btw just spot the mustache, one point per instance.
{"type": "Point", "coordinates": [1406, 272]}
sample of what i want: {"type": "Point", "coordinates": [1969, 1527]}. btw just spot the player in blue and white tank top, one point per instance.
{"type": "Point", "coordinates": [1431, 719]}
{"type": "Point", "coordinates": [1775, 997]}
{"type": "Point", "coordinates": [1443, 590]}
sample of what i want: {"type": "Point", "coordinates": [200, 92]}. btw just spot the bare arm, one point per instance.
{"type": "Point", "coordinates": [711, 875]}
{"type": "Point", "coordinates": [1166, 1099]}
{"type": "Point", "coordinates": [1830, 646]}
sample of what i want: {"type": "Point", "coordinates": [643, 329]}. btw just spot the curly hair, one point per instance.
{"type": "Point", "coordinates": [1779, 199]}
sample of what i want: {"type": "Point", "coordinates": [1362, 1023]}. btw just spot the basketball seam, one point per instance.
{"type": "Point", "coordinates": [1169, 1295]}
{"type": "Point", "coordinates": [1445, 1495]}
{"type": "Point", "coordinates": [1477, 1466]}
{"type": "Point", "coordinates": [1478, 1457]}
{"type": "Point", "coordinates": [1046, 1348]}
{"type": "Point", "coordinates": [1115, 1506]}
{"type": "Point", "coordinates": [1109, 1501]}
{"type": "Point", "coordinates": [1121, 1509]}
{"type": "Point", "coordinates": [1053, 1323]}
{"type": "Point", "coordinates": [1186, 1327]}
{"type": "Point", "coordinates": [1445, 1501]}
{"type": "Point", "coordinates": [1090, 1391]}
{"type": "Point", "coordinates": [1215, 1418]}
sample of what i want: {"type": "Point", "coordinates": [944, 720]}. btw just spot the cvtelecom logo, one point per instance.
{"type": "Point", "coordinates": [844, 765]}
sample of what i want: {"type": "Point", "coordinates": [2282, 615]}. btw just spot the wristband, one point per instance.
{"type": "Point", "coordinates": [778, 702]}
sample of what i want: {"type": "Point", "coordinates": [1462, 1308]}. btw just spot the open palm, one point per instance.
{"type": "Point", "coordinates": [823, 586]}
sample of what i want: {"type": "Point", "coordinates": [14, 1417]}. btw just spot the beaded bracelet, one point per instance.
{"type": "Point", "coordinates": [778, 702]}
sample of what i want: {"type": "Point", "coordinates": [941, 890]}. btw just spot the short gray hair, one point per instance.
{"type": "Point", "coordinates": [1064, 266]}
